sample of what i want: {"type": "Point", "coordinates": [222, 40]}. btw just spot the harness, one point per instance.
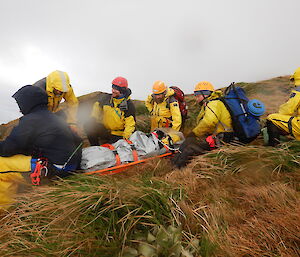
{"type": "Point", "coordinates": [41, 169]}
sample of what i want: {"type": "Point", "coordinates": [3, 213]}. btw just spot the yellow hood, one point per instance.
{"type": "Point", "coordinates": [59, 80]}
{"type": "Point", "coordinates": [296, 77]}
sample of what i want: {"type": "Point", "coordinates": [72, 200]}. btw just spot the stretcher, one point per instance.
{"type": "Point", "coordinates": [123, 167]}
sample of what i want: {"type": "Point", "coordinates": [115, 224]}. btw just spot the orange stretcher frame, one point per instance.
{"type": "Point", "coordinates": [122, 167]}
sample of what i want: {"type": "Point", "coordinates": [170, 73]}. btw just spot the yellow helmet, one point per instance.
{"type": "Point", "coordinates": [159, 87]}
{"type": "Point", "coordinates": [296, 77]}
{"type": "Point", "coordinates": [204, 86]}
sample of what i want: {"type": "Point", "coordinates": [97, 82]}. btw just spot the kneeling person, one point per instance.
{"type": "Point", "coordinates": [113, 116]}
{"type": "Point", "coordinates": [163, 107]}
{"type": "Point", "coordinates": [287, 120]}
{"type": "Point", "coordinates": [39, 134]}
{"type": "Point", "coordinates": [57, 86]}
{"type": "Point", "coordinates": [214, 124]}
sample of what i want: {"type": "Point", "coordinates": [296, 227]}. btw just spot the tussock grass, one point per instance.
{"type": "Point", "coordinates": [143, 123]}
{"type": "Point", "coordinates": [235, 201]}
{"type": "Point", "coordinates": [98, 213]}
{"type": "Point", "coordinates": [244, 201]}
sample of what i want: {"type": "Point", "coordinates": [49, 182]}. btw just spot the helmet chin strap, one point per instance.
{"type": "Point", "coordinates": [204, 98]}
{"type": "Point", "coordinates": [120, 97]}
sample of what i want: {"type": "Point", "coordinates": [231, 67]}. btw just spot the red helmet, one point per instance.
{"type": "Point", "coordinates": [120, 82]}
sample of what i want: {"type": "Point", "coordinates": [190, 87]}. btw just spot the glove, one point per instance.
{"type": "Point", "coordinates": [191, 147]}
{"type": "Point", "coordinates": [181, 159]}
{"type": "Point", "coordinates": [188, 141]}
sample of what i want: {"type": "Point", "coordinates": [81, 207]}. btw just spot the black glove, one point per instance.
{"type": "Point", "coordinates": [191, 147]}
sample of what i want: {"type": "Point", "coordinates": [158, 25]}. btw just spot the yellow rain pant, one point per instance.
{"type": "Point", "coordinates": [287, 123]}
{"type": "Point", "coordinates": [11, 169]}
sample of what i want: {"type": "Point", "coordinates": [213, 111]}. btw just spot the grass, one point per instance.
{"type": "Point", "coordinates": [235, 201]}
{"type": "Point", "coordinates": [98, 213]}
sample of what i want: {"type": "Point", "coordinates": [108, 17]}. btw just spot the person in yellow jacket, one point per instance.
{"type": "Point", "coordinates": [214, 124]}
{"type": "Point", "coordinates": [287, 120]}
{"type": "Point", "coordinates": [113, 116]}
{"type": "Point", "coordinates": [58, 87]}
{"type": "Point", "coordinates": [163, 107]}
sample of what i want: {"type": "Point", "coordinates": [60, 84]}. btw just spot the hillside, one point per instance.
{"type": "Point", "coordinates": [235, 201]}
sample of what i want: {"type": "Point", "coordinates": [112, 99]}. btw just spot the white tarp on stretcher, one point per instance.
{"type": "Point", "coordinates": [98, 157]}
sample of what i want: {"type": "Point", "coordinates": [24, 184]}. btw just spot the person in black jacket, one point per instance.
{"type": "Point", "coordinates": [39, 134]}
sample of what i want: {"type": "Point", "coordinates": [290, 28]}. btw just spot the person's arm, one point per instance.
{"type": "Point", "coordinates": [97, 112]}
{"type": "Point", "coordinates": [19, 139]}
{"type": "Point", "coordinates": [208, 123]}
{"type": "Point", "coordinates": [176, 115]}
{"type": "Point", "coordinates": [292, 105]}
{"type": "Point", "coordinates": [149, 103]}
{"type": "Point", "coordinates": [129, 120]}
{"type": "Point", "coordinates": [72, 103]}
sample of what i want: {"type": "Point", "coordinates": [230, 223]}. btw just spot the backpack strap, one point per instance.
{"type": "Point", "coordinates": [231, 86]}
{"type": "Point", "coordinates": [290, 126]}
{"type": "Point", "coordinates": [226, 128]}
{"type": "Point", "coordinates": [169, 100]}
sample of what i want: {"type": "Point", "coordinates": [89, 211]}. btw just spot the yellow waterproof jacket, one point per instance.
{"type": "Point", "coordinates": [288, 117]}
{"type": "Point", "coordinates": [117, 115]}
{"type": "Point", "coordinates": [291, 107]}
{"type": "Point", "coordinates": [213, 118]}
{"type": "Point", "coordinates": [60, 81]}
{"type": "Point", "coordinates": [166, 113]}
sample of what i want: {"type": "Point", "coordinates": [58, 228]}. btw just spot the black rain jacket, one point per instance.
{"type": "Point", "coordinates": [40, 133]}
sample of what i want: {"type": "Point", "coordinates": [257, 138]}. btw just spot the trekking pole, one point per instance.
{"type": "Point", "coordinates": [65, 164]}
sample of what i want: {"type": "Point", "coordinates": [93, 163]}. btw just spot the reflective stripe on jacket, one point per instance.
{"type": "Point", "coordinates": [213, 117]}
{"type": "Point", "coordinates": [117, 115]}
{"type": "Point", "coordinates": [166, 113]}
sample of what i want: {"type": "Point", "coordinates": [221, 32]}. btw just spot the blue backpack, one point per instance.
{"type": "Point", "coordinates": [244, 113]}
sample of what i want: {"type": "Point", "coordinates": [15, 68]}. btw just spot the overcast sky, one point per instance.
{"type": "Point", "coordinates": [179, 42]}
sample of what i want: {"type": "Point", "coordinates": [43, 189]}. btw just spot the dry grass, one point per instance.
{"type": "Point", "coordinates": [244, 200]}
{"type": "Point", "coordinates": [235, 201]}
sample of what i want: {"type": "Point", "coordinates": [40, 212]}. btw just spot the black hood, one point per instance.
{"type": "Point", "coordinates": [29, 97]}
